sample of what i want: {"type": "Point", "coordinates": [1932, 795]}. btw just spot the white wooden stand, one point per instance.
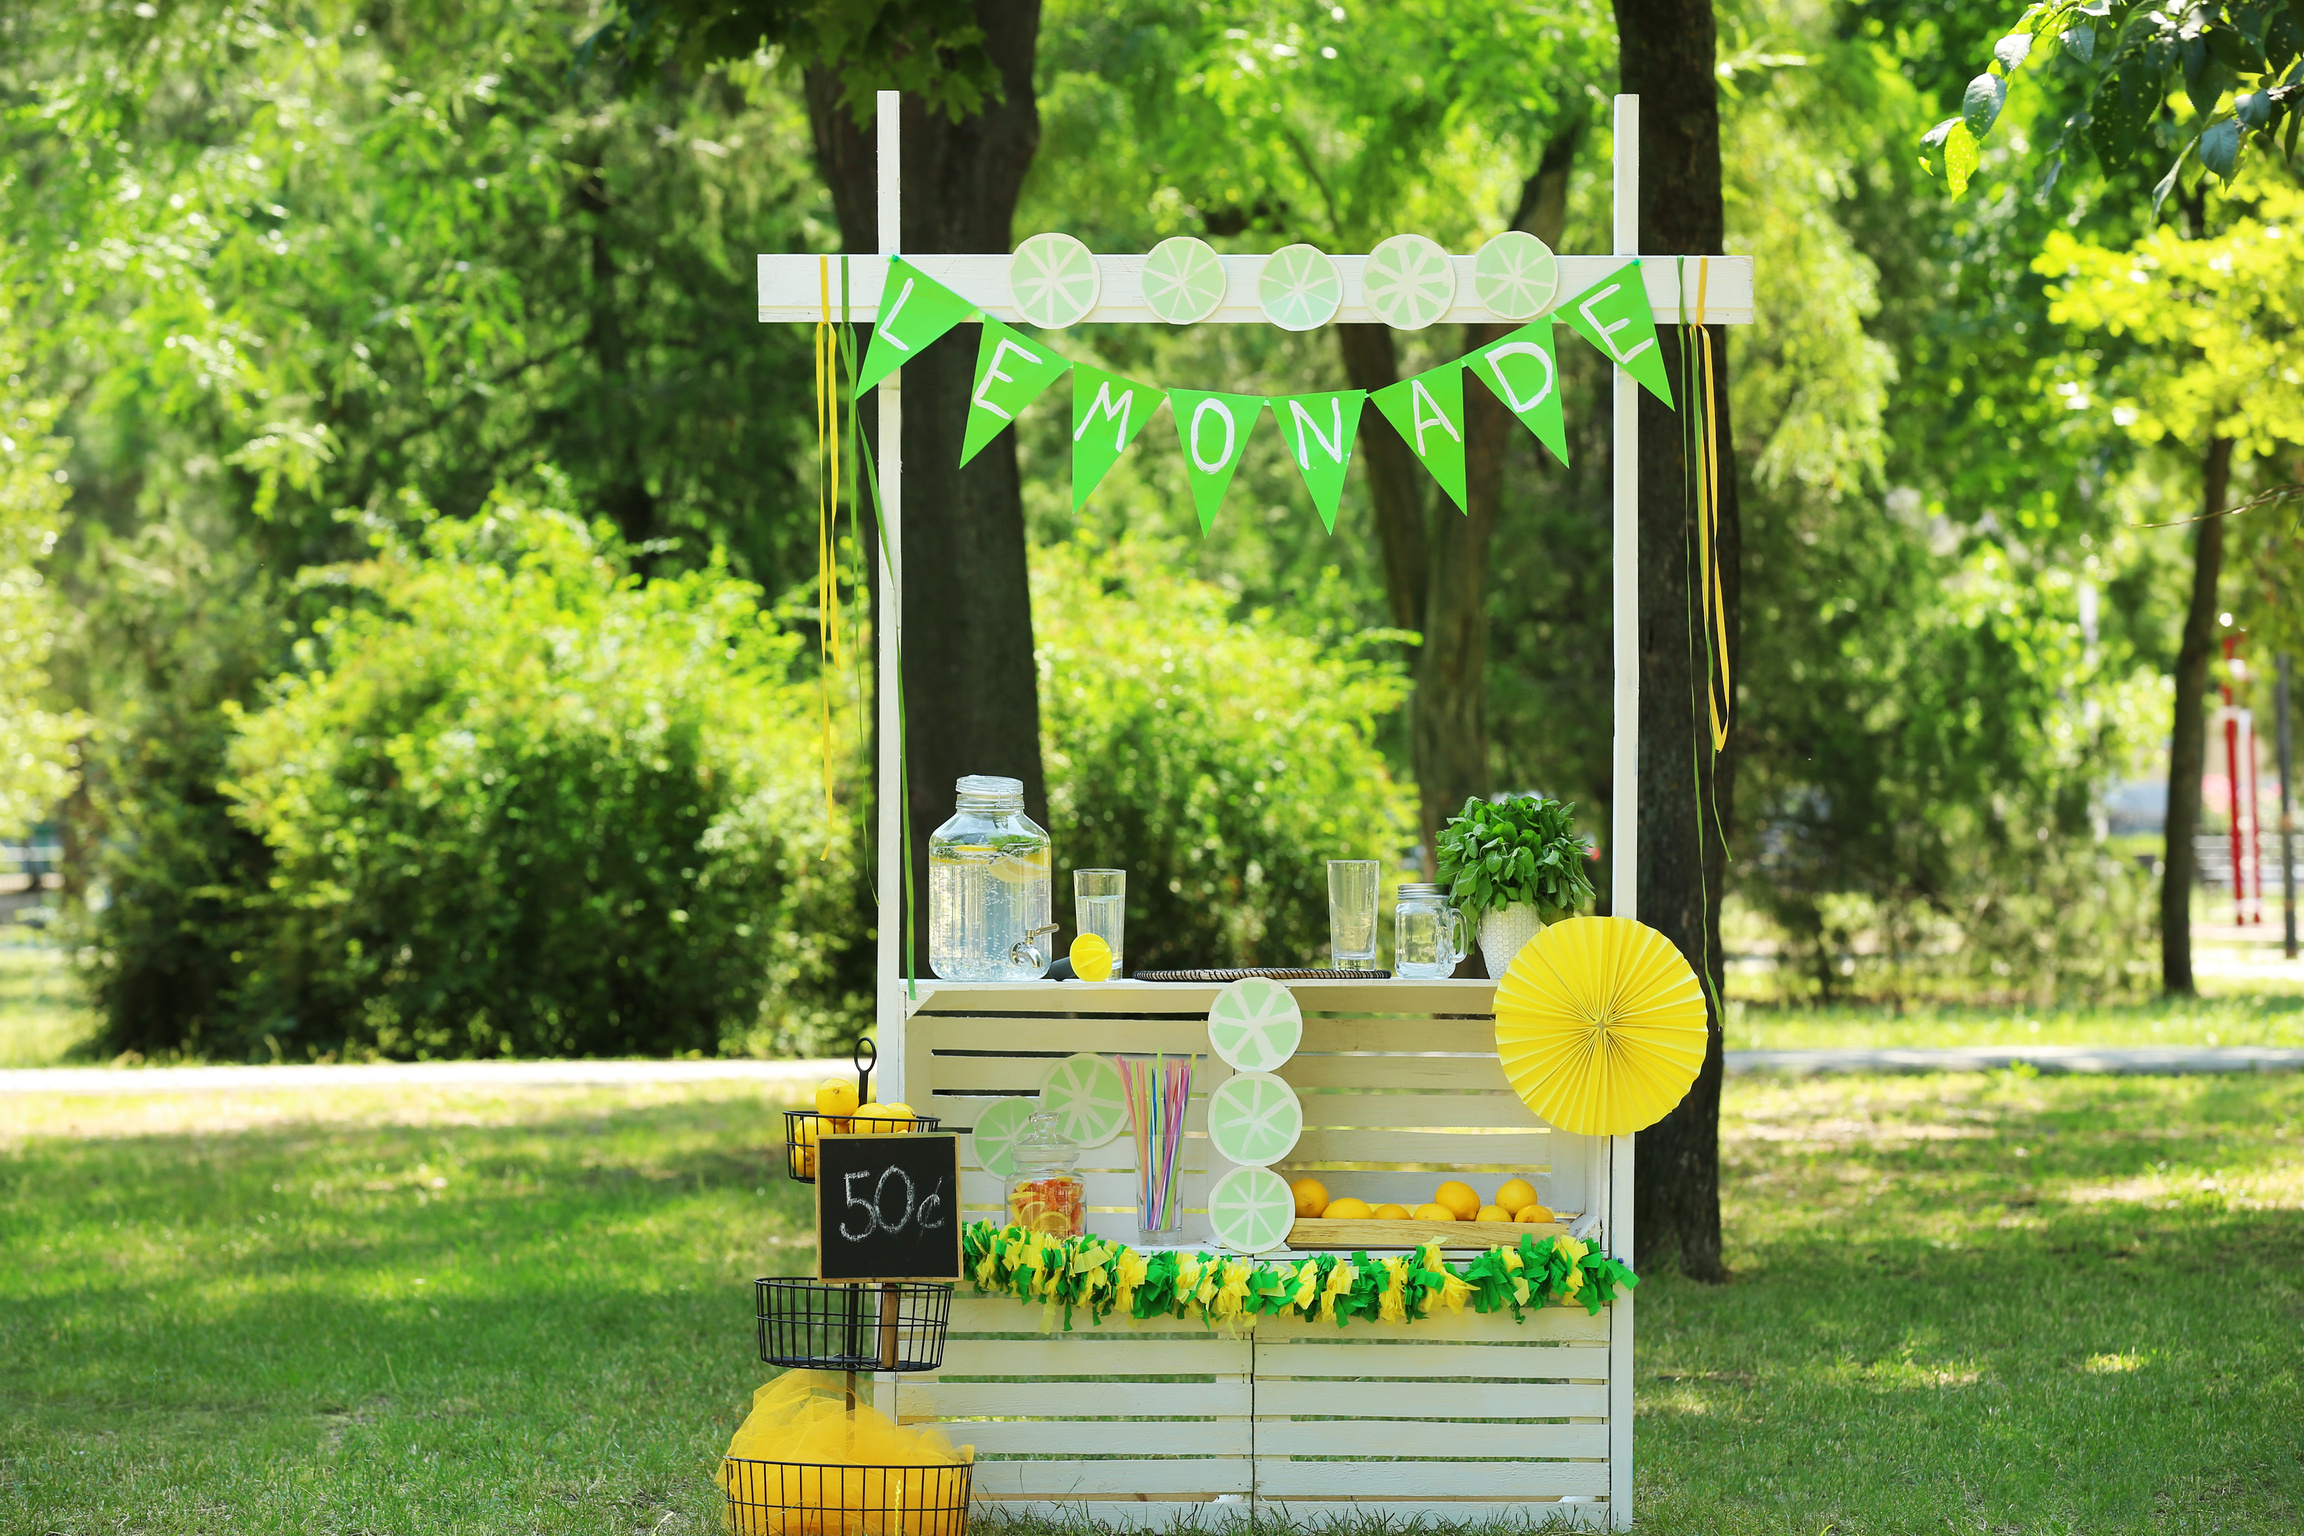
{"type": "Point", "coordinates": [1462, 1417]}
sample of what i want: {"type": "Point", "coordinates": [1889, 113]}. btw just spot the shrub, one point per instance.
{"type": "Point", "coordinates": [519, 803]}
{"type": "Point", "coordinates": [1222, 762]}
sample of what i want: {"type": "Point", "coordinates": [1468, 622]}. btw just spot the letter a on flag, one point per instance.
{"type": "Point", "coordinates": [915, 309]}
{"type": "Point", "coordinates": [1613, 315]}
{"type": "Point", "coordinates": [1428, 410]}
{"type": "Point", "coordinates": [1523, 372]}
{"type": "Point", "coordinates": [1011, 371]}
{"type": "Point", "coordinates": [1320, 429]}
{"type": "Point", "coordinates": [1107, 413]}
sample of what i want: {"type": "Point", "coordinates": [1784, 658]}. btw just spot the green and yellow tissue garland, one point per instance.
{"type": "Point", "coordinates": [1102, 1277]}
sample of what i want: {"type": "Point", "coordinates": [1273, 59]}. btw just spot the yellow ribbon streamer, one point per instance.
{"type": "Point", "coordinates": [827, 523]}
{"type": "Point", "coordinates": [1718, 692]}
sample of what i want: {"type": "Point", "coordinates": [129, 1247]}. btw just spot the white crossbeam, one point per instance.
{"type": "Point", "coordinates": [792, 288]}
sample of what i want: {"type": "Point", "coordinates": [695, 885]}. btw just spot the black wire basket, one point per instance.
{"type": "Point", "coordinates": [792, 1498]}
{"type": "Point", "coordinates": [896, 1326]}
{"type": "Point", "coordinates": [803, 1126]}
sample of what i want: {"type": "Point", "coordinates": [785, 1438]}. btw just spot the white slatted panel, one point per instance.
{"type": "Point", "coordinates": [1462, 1418]}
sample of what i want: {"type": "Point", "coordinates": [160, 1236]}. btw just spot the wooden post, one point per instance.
{"type": "Point", "coordinates": [1624, 812]}
{"type": "Point", "coordinates": [894, 858]}
{"type": "Point", "coordinates": [890, 1297]}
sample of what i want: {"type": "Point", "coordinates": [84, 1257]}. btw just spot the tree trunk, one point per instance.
{"type": "Point", "coordinates": [1667, 56]}
{"type": "Point", "coordinates": [1435, 559]}
{"type": "Point", "coordinates": [2188, 736]}
{"type": "Point", "coordinates": [971, 698]}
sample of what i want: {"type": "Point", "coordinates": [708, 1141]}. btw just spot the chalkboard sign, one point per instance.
{"type": "Point", "coordinates": [888, 1207]}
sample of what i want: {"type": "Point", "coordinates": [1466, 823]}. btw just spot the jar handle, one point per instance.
{"type": "Point", "coordinates": [1460, 948]}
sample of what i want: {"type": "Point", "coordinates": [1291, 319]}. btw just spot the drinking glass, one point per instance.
{"type": "Point", "coordinates": [1099, 906]}
{"type": "Point", "coordinates": [1352, 913]}
{"type": "Point", "coordinates": [1428, 936]}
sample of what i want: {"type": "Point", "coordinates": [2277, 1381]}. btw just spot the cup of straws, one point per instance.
{"type": "Point", "coordinates": [1159, 1092]}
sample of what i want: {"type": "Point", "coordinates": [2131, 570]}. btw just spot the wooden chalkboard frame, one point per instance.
{"type": "Point", "coordinates": [833, 1206]}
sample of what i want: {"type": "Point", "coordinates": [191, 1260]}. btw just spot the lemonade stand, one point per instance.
{"type": "Point", "coordinates": [1207, 1347]}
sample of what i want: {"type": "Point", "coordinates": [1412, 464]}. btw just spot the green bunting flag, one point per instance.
{"type": "Point", "coordinates": [1012, 370]}
{"type": "Point", "coordinates": [1613, 315]}
{"type": "Point", "coordinates": [1428, 410]}
{"type": "Point", "coordinates": [1522, 371]}
{"type": "Point", "coordinates": [1319, 429]}
{"type": "Point", "coordinates": [1214, 431]}
{"type": "Point", "coordinates": [1107, 413]}
{"type": "Point", "coordinates": [915, 309]}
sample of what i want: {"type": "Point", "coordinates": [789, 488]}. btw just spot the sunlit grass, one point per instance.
{"type": "Point", "coordinates": [2245, 1019]}
{"type": "Point", "coordinates": [1985, 1302]}
{"type": "Point", "coordinates": [42, 1017]}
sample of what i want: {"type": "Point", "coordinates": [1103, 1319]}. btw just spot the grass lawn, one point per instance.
{"type": "Point", "coordinates": [1969, 1303]}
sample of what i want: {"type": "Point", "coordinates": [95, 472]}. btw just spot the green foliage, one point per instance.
{"type": "Point", "coordinates": [929, 49]}
{"type": "Point", "coordinates": [2208, 79]}
{"type": "Point", "coordinates": [36, 754]}
{"type": "Point", "coordinates": [1496, 853]}
{"type": "Point", "coordinates": [1221, 761]}
{"type": "Point", "coordinates": [515, 802]}
{"type": "Point", "coordinates": [2221, 317]}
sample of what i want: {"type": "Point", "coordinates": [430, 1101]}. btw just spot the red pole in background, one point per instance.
{"type": "Point", "coordinates": [2232, 783]}
{"type": "Point", "coordinates": [2252, 842]}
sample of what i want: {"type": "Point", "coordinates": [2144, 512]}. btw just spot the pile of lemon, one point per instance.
{"type": "Point", "coordinates": [836, 1111]}
{"type": "Point", "coordinates": [1454, 1200]}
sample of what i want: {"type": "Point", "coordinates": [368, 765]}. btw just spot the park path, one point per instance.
{"type": "Point", "coordinates": [794, 1076]}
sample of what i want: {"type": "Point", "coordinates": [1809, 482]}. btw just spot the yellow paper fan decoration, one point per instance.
{"type": "Point", "coordinates": [1600, 1025]}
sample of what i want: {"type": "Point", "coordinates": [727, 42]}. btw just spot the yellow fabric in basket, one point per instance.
{"type": "Point", "coordinates": [842, 1485]}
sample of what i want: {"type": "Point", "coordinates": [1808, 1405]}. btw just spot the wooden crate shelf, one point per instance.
{"type": "Point", "coordinates": [1460, 1417]}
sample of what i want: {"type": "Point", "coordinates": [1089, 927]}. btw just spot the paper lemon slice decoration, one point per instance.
{"type": "Point", "coordinates": [1250, 1210]}
{"type": "Point", "coordinates": [1183, 280]}
{"type": "Point", "coordinates": [1054, 281]}
{"type": "Point", "coordinates": [1408, 282]}
{"type": "Point", "coordinates": [994, 1139]}
{"type": "Point", "coordinates": [1600, 1025]}
{"type": "Point", "coordinates": [1085, 1095]}
{"type": "Point", "coordinates": [1515, 275]}
{"type": "Point", "coordinates": [1255, 1024]}
{"type": "Point", "coordinates": [1254, 1118]}
{"type": "Point", "coordinates": [1299, 288]}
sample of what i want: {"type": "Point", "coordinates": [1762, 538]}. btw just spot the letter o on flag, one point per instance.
{"type": "Point", "coordinates": [1224, 414]}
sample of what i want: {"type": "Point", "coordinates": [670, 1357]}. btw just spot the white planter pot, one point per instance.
{"type": "Point", "coordinates": [1503, 933]}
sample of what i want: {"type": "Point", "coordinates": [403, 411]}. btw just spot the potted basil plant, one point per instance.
{"type": "Point", "coordinates": [1511, 866]}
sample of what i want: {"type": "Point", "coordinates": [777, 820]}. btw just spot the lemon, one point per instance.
{"type": "Point", "coordinates": [1459, 1197]}
{"type": "Point", "coordinates": [1515, 1193]}
{"type": "Point", "coordinates": [1091, 958]}
{"type": "Point", "coordinates": [1311, 1197]}
{"type": "Point", "coordinates": [835, 1096]}
{"type": "Point", "coordinates": [1532, 1213]}
{"type": "Point", "coordinates": [883, 1119]}
{"type": "Point", "coordinates": [1493, 1213]}
{"type": "Point", "coordinates": [1391, 1213]}
{"type": "Point", "coordinates": [1434, 1211]}
{"type": "Point", "coordinates": [1346, 1209]}
{"type": "Point", "coordinates": [805, 1136]}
